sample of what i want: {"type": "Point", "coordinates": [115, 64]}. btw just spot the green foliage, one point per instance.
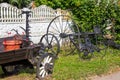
{"type": "Point", "coordinates": [89, 13]}
{"type": "Point", "coordinates": [1, 1]}
{"type": "Point", "coordinates": [18, 3]}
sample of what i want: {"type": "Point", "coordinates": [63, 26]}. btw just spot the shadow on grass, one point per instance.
{"type": "Point", "coordinates": [22, 71]}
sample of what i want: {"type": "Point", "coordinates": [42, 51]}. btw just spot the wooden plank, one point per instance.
{"type": "Point", "coordinates": [5, 54]}
{"type": "Point", "coordinates": [14, 55]}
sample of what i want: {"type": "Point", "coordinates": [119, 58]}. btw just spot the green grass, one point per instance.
{"type": "Point", "coordinates": [74, 68]}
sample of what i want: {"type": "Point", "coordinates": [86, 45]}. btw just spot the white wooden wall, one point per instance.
{"type": "Point", "coordinates": [39, 20]}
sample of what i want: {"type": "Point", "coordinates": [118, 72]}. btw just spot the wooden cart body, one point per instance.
{"type": "Point", "coordinates": [15, 56]}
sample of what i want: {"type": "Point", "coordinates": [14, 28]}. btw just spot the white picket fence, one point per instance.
{"type": "Point", "coordinates": [10, 14]}
{"type": "Point", "coordinates": [39, 20]}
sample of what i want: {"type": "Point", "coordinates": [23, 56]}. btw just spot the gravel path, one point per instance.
{"type": "Point", "coordinates": [113, 76]}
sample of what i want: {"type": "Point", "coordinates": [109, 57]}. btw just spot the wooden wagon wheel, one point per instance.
{"type": "Point", "coordinates": [61, 26]}
{"type": "Point", "coordinates": [45, 65]}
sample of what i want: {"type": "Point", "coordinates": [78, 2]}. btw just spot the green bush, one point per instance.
{"type": "Point", "coordinates": [89, 13]}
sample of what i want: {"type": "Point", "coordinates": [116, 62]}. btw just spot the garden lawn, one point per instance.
{"type": "Point", "coordinates": [74, 68]}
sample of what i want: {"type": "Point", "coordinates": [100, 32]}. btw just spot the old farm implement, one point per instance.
{"type": "Point", "coordinates": [19, 52]}
{"type": "Point", "coordinates": [68, 33]}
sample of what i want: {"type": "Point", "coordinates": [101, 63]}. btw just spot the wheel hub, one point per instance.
{"type": "Point", "coordinates": [48, 67]}
{"type": "Point", "coordinates": [63, 35]}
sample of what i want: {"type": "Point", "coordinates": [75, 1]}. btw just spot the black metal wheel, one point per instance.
{"type": "Point", "coordinates": [62, 26]}
{"type": "Point", "coordinates": [101, 45]}
{"type": "Point", "coordinates": [85, 55]}
{"type": "Point", "coordinates": [101, 42]}
{"type": "Point", "coordinates": [45, 66]}
{"type": "Point", "coordinates": [51, 43]}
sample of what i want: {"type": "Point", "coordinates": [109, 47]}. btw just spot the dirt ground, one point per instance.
{"type": "Point", "coordinates": [111, 76]}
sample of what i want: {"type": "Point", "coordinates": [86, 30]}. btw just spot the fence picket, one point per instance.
{"type": "Point", "coordinates": [9, 14]}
